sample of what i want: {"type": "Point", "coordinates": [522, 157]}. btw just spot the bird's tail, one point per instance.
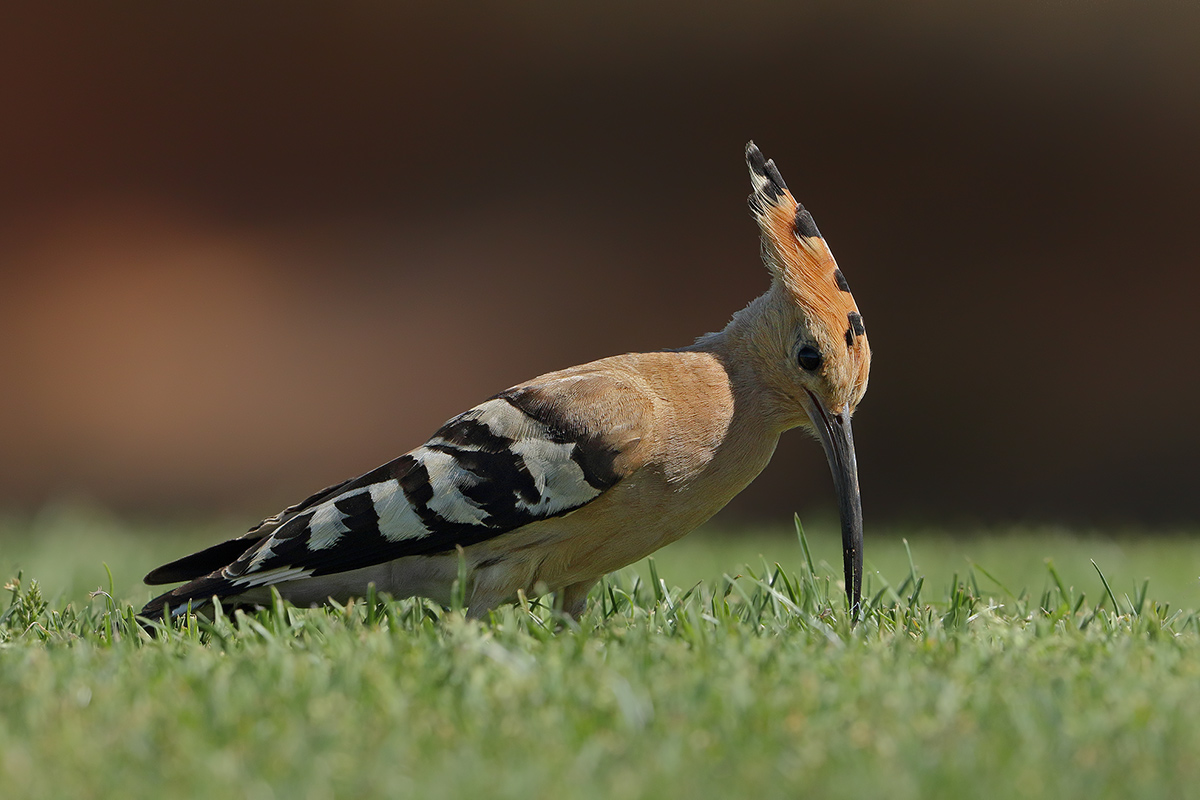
{"type": "Point", "coordinates": [197, 595]}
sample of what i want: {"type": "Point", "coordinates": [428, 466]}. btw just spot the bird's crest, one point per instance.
{"type": "Point", "coordinates": [796, 253]}
{"type": "Point", "coordinates": [799, 259]}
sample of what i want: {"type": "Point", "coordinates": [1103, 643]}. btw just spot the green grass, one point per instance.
{"type": "Point", "coordinates": [681, 680]}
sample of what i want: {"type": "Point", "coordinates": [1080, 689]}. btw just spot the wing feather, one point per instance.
{"type": "Point", "coordinates": [537, 451]}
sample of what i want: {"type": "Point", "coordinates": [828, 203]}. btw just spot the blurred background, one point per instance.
{"type": "Point", "coordinates": [246, 252]}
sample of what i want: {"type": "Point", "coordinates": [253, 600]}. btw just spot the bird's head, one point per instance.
{"type": "Point", "coordinates": [810, 344]}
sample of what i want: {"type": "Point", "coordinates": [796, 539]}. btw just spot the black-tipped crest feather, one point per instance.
{"type": "Point", "coordinates": [804, 224]}
{"type": "Point", "coordinates": [765, 168]}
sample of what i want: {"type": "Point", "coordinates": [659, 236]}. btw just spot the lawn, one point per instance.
{"type": "Point", "coordinates": [979, 670]}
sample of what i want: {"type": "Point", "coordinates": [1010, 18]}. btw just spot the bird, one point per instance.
{"type": "Point", "coordinates": [555, 482]}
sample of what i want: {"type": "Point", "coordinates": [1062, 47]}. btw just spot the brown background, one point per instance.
{"type": "Point", "coordinates": [246, 252]}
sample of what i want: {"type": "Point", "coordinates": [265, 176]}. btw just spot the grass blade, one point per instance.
{"type": "Point", "coordinates": [1107, 588]}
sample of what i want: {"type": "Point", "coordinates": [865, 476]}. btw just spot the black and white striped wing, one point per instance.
{"type": "Point", "coordinates": [534, 452]}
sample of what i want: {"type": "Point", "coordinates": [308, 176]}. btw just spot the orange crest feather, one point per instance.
{"type": "Point", "coordinates": [797, 255]}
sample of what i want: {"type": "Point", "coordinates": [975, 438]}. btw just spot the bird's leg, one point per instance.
{"type": "Point", "coordinates": [485, 593]}
{"type": "Point", "coordinates": [482, 604]}
{"type": "Point", "coordinates": [574, 598]}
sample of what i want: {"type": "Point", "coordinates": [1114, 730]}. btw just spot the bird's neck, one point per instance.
{"type": "Point", "coordinates": [748, 349]}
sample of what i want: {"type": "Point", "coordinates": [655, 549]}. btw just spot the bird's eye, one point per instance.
{"type": "Point", "coordinates": [809, 357]}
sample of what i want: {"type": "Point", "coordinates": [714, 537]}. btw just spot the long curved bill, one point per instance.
{"type": "Point", "coordinates": [838, 440]}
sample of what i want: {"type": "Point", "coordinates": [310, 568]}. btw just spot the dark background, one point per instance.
{"type": "Point", "coordinates": [247, 251]}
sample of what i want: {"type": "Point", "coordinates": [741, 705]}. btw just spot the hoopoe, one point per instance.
{"type": "Point", "coordinates": [557, 481]}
